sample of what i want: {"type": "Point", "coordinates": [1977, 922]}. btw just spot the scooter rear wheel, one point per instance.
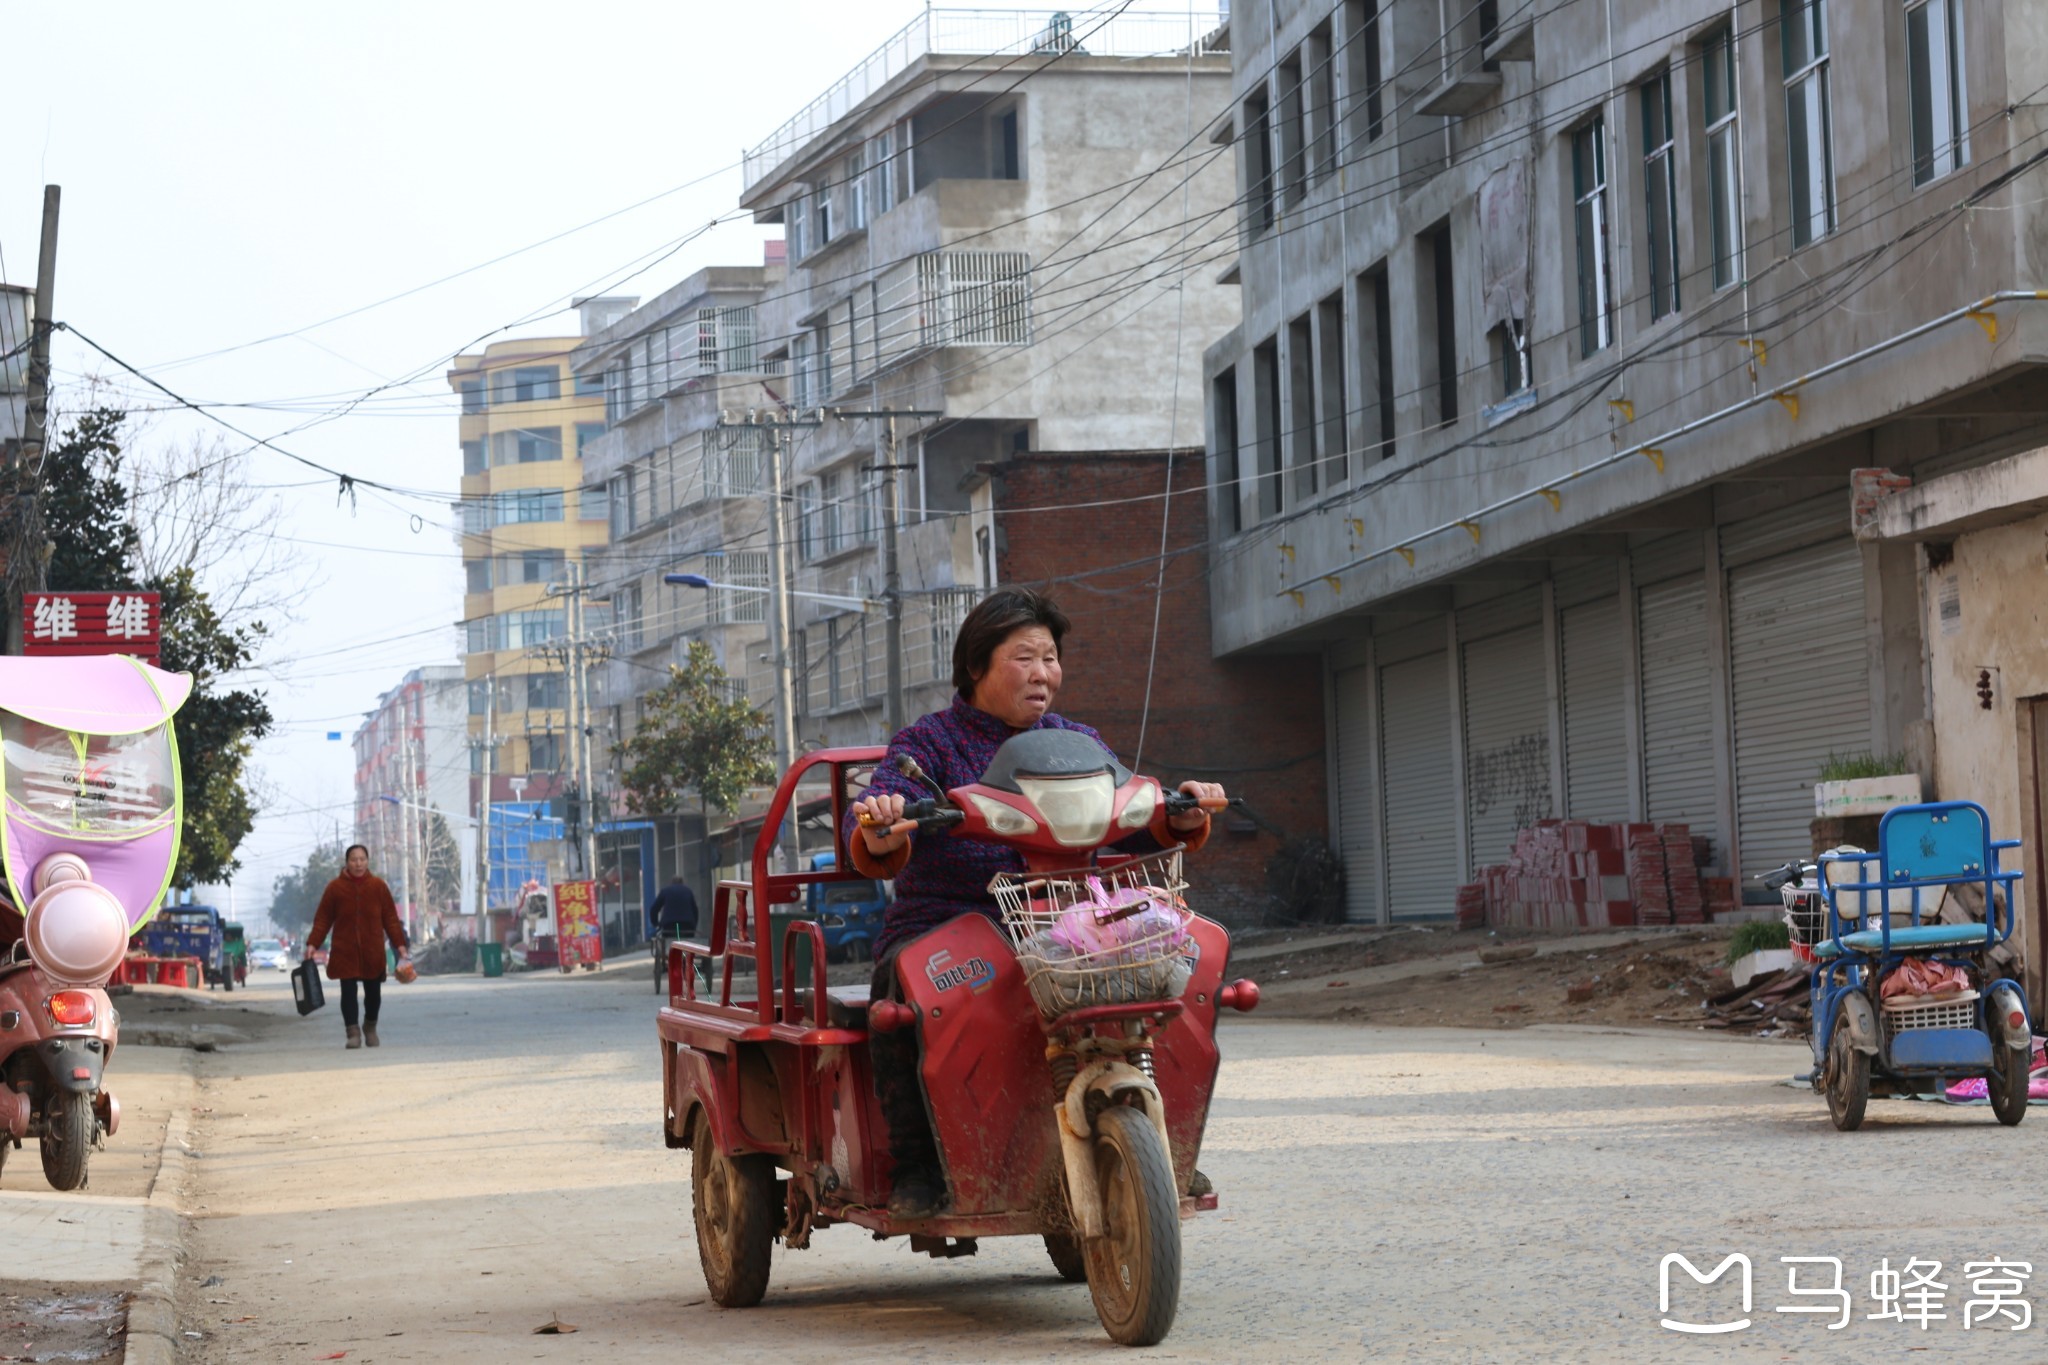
{"type": "Point", "coordinates": [1134, 1271]}
{"type": "Point", "coordinates": [1848, 1078]}
{"type": "Point", "coordinates": [733, 1199]}
{"type": "Point", "coordinates": [67, 1139]}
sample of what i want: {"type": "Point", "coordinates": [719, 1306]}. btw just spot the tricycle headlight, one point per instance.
{"type": "Point", "coordinates": [1077, 808]}
{"type": "Point", "coordinates": [1004, 819]}
{"type": "Point", "coordinates": [1138, 810]}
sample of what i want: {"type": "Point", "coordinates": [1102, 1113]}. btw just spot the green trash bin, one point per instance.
{"type": "Point", "coordinates": [493, 955]}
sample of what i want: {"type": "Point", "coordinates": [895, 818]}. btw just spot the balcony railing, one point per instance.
{"type": "Point", "coordinates": [989, 32]}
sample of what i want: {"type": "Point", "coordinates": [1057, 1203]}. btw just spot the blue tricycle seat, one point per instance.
{"type": "Point", "coordinates": [1906, 936]}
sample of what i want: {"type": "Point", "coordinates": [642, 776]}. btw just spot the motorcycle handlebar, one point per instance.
{"type": "Point", "coordinates": [1777, 877]}
{"type": "Point", "coordinates": [1179, 803]}
{"type": "Point", "coordinates": [919, 817]}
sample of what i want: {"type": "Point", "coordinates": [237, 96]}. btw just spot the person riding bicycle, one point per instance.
{"type": "Point", "coordinates": [1006, 667]}
{"type": "Point", "coordinates": [674, 911]}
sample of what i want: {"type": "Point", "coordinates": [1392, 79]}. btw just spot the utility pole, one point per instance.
{"type": "Point", "coordinates": [579, 698]}
{"type": "Point", "coordinates": [405, 809]}
{"type": "Point", "coordinates": [780, 624]}
{"type": "Point", "coordinates": [489, 745]}
{"type": "Point", "coordinates": [892, 580]}
{"type": "Point", "coordinates": [27, 559]}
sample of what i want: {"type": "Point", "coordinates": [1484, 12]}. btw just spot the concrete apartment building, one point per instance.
{"type": "Point", "coordinates": [1564, 327]}
{"type": "Point", "coordinates": [961, 249]}
{"type": "Point", "coordinates": [525, 524]}
{"type": "Point", "coordinates": [412, 764]}
{"type": "Point", "coordinates": [685, 496]}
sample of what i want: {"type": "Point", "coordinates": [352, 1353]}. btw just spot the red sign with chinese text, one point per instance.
{"type": "Point", "coordinates": [63, 623]}
{"type": "Point", "coordinates": [578, 935]}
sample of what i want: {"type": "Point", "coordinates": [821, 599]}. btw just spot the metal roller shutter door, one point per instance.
{"type": "Point", "coordinates": [1802, 689]}
{"type": "Point", "coordinates": [1678, 727]}
{"type": "Point", "coordinates": [1421, 846]}
{"type": "Point", "coordinates": [1595, 721]}
{"type": "Point", "coordinates": [1507, 742]}
{"type": "Point", "coordinates": [1357, 830]}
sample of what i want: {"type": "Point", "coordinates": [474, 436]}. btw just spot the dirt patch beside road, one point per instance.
{"type": "Point", "coordinates": [1448, 977]}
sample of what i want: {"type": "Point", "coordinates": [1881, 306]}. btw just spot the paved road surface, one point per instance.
{"type": "Point", "coordinates": [1414, 1194]}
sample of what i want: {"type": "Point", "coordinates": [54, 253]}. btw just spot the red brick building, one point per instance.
{"type": "Point", "coordinates": [1253, 723]}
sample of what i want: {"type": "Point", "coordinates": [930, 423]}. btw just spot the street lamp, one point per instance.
{"type": "Point", "coordinates": [697, 580]}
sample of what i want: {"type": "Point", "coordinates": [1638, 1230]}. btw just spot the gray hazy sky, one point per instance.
{"type": "Point", "coordinates": [235, 171]}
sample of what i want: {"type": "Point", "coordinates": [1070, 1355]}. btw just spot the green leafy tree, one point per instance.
{"type": "Point", "coordinates": [218, 727]}
{"type": "Point", "coordinates": [695, 736]}
{"type": "Point", "coordinates": [295, 895]}
{"type": "Point", "coordinates": [444, 864]}
{"type": "Point", "coordinates": [86, 514]}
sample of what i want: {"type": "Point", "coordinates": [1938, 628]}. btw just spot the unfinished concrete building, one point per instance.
{"type": "Point", "coordinates": [1564, 325]}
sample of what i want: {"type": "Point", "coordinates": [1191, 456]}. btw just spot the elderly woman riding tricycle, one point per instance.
{"type": "Point", "coordinates": [1036, 1053]}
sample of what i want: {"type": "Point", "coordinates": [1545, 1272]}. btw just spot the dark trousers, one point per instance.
{"type": "Point", "coordinates": [373, 993]}
{"type": "Point", "coordinates": [894, 1057]}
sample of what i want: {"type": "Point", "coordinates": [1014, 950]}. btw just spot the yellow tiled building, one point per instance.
{"type": "Point", "coordinates": [523, 522]}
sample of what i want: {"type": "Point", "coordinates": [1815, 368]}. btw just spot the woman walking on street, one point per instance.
{"type": "Point", "coordinates": [358, 908]}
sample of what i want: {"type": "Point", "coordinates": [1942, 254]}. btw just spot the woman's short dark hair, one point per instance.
{"type": "Point", "coordinates": [994, 619]}
{"type": "Point", "coordinates": [352, 848]}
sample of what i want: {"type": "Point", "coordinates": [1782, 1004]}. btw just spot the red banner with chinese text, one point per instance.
{"type": "Point", "coordinates": [578, 934]}
{"type": "Point", "coordinates": [71, 623]}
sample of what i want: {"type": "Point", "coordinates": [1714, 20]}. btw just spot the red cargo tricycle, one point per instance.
{"type": "Point", "coordinates": [1068, 1055]}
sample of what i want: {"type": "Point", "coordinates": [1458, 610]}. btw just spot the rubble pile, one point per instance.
{"type": "Point", "coordinates": [1775, 1002]}
{"type": "Point", "coordinates": [1576, 874]}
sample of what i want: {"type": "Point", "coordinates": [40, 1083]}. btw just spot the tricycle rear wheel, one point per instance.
{"type": "Point", "coordinates": [1065, 1250]}
{"type": "Point", "coordinates": [2006, 1083]}
{"type": "Point", "coordinates": [733, 1199]}
{"type": "Point", "coordinates": [1848, 1078]}
{"type": "Point", "coordinates": [1134, 1271]}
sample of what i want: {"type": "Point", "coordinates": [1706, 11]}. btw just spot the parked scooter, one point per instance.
{"type": "Point", "coordinates": [89, 823]}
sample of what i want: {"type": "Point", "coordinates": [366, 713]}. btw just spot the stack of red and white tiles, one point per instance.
{"type": "Point", "coordinates": [1573, 874]}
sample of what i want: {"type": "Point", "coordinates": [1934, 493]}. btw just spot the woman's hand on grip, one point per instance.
{"type": "Point", "coordinates": [882, 823]}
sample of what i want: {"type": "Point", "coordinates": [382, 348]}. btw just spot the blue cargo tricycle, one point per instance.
{"type": "Point", "coordinates": [1882, 909]}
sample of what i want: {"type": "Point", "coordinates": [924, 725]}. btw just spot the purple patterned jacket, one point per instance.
{"type": "Point", "coordinates": [946, 876]}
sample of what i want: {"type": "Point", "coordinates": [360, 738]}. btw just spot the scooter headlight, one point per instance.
{"type": "Point", "coordinates": [1138, 810]}
{"type": "Point", "coordinates": [1076, 808]}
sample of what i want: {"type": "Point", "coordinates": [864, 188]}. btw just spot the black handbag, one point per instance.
{"type": "Point", "coordinates": [307, 992]}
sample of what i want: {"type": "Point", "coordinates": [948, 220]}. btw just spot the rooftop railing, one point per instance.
{"type": "Point", "coordinates": [989, 33]}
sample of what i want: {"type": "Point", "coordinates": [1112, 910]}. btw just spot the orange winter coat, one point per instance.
{"type": "Point", "coordinates": [362, 915]}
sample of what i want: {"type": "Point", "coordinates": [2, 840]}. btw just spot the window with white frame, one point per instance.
{"type": "Point", "coordinates": [852, 171]}
{"type": "Point", "coordinates": [1939, 104]}
{"type": "Point", "coordinates": [806, 521]}
{"type": "Point", "coordinates": [803, 389]}
{"type": "Point", "coordinates": [1809, 119]}
{"type": "Point", "coordinates": [1660, 191]}
{"type": "Point", "coordinates": [831, 510]}
{"type": "Point", "coordinates": [795, 230]}
{"type": "Point", "coordinates": [1724, 156]}
{"type": "Point", "coordinates": [821, 217]}
{"type": "Point", "coordinates": [1595, 245]}
{"type": "Point", "coordinates": [881, 172]}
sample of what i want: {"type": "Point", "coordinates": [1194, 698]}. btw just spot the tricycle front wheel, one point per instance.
{"type": "Point", "coordinates": [2007, 1083]}
{"type": "Point", "coordinates": [1848, 1078]}
{"type": "Point", "coordinates": [733, 1198]}
{"type": "Point", "coordinates": [1134, 1271]}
